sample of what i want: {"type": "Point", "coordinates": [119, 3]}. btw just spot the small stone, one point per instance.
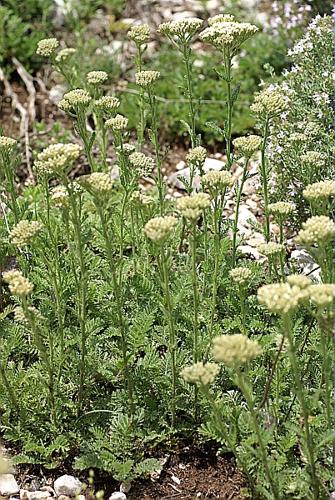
{"type": "Point", "coordinates": [67, 485]}
{"type": "Point", "coordinates": [118, 495]}
{"type": "Point", "coordinates": [125, 487]}
{"type": "Point", "coordinates": [80, 497]}
{"type": "Point", "coordinates": [8, 485]}
{"type": "Point", "coordinates": [49, 489]}
{"type": "Point", "coordinates": [38, 495]}
{"type": "Point", "coordinates": [63, 497]}
{"type": "Point", "coordinates": [24, 494]}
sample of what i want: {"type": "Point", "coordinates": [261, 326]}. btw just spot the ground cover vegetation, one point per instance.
{"type": "Point", "coordinates": [130, 320]}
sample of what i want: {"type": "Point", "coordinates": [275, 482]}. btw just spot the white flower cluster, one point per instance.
{"type": "Point", "coordinates": [107, 104]}
{"type": "Point", "coordinates": [97, 183]}
{"type": "Point", "coordinates": [146, 78]}
{"type": "Point", "coordinates": [271, 249]}
{"type": "Point", "coordinates": [235, 350]}
{"type": "Point", "coordinates": [281, 209]}
{"type": "Point", "coordinates": [317, 230]}
{"type": "Point", "coordinates": [56, 157]}
{"type": "Point", "coordinates": [319, 190]}
{"type": "Point", "coordinates": [314, 159]}
{"type": "Point", "coordinates": [77, 98]}
{"type": "Point", "coordinates": [240, 275]}
{"type": "Point", "coordinates": [96, 77]}
{"type": "Point", "coordinates": [269, 103]}
{"type": "Point", "coordinates": [217, 180]}
{"type": "Point", "coordinates": [182, 28]}
{"type": "Point", "coordinates": [191, 207]}
{"type": "Point", "coordinates": [228, 34]}
{"type": "Point", "coordinates": [200, 373]}
{"type": "Point", "coordinates": [118, 123]}
{"type": "Point", "coordinates": [47, 47]}
{"type": "Point", "coordinates": [65, 54]}
{"type": "Point", "coordinates": [60, 197]}
{"type": "Point", "coordinates": [298, 137]}
{"type": "Point", "coordinates": [322, 295]}
{"type": "Point", "coordinates": [139, 34]}
{"type": "Point", "coordinates": [19, 285]}
{"type": "Point", "coordinates": [196, 155]}
{"type": "Point", "coordinates": [221, 18]}
{"type": "Point", "coordinates": [248, 145]}
{"type": "Point", "coordinates": [24, 232]}
{"type": "Point", "coordinates": [144, 164]}
{"type": "Point", "coordinates": [7, 144]}
{"type": "Point", "coordinates": [284, 298]}
{"type": "Point", "coordinates": [128, 149]}
{"type": "Point", "coordinates": [281, 298]}
{"type": "Point", "coordinates": [159, 229]}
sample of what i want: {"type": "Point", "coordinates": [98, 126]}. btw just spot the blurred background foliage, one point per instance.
{"type": "Point", "coordinates": [98, 29]}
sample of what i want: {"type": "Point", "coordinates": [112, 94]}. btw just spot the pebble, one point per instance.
{"type": "Point", "coordinates": [34, 495]}
{"type": "Point", "coordinates": [182, 171]}
{"type": "Point", "coordinates": [67, 485]}
{"type": "Point", "coordinates": [118, 495]}
{"type": "Point", "coordinates": [125, 487]}
{"type": "Point", "coordinates": [8, 485]}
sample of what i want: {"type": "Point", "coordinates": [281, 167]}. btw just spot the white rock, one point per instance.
{"type": "Point", "coordinates": [125, 487]}
{"type": "Point", "coordinates": [118, 495]}
{"type": "Point", "coordinates": [67, 485]}
{"type": "Point", "coordinates": [8, 485]}
{"type": "Point", "coordinates": [38, 495]}
{"type": "Point", "coordinates": [210, 164]}
{"type": "Point", "coordinates": [56, 93]}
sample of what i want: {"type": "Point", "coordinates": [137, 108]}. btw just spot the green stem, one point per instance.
{"type": "Point", "coordinates": [264, 179]}
{"type": "Point", "coordinates": [237, 208]}
{"type": "Point", "coordinates": [299, 390]}
{"type": "Point", "coordinates": [82, 294]}
{"type": "Point", "coordinates": [228, 127]}
{"type": "Point", "coordinates": [172, 334]}
{"type": "Point", "coordinates": [9, 389]}
{"type": "Point", "coordinates": [247, 393]}
{"type": "Point", "coordinates": [128, 381]}
{"type": "Point", "coordinates": [44, 355]}
{"type": "Point", "coordinates": [186, 51]}
{"type": "Point", "coordinates": [155, 141]}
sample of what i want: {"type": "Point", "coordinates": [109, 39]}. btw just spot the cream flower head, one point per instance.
{"type": "Point", "coordinates": [117, 123]}
{"type": "Point", "coordinates": [18, 284]}
{"type": "Point", "coordinates": [191, 207]}
{"type": "Point", "coordinates": [281, 298]}
{"type": "Point", "coordinates": [248, 145]}
{"type": "Point", "coordinates": [183, 29]}
{"type": "Point", "coordinates": [7, 144]}
{"type": "Point", "coordinates": [200, 373]}
{"type": "Point", "coordinates": [139, 34]}
{"type": "Point", "coordinates": [57, 158]}
{"type": "Point", "coordinates": [319, 190]}
{"type": "Point", "coordinates": [240, 275]}
{"type": "Point", "coordinates": [196, 155]}
{"type": "Point", "coordinates": [235, 350]}
{"type": "Point", "coordinates": [47, 46]}
{"type": "Point", "coordinates": [97, 183]}
{"type": "Point", "coordinates": [24, 232]}
{"type": "Point", "coordinates": [269, 103]}
{"type": "Point", "coordinates": [159, 229]}
{"type": "Point", "coordinates": [317, 230]}
{"type": "Point", "coordinates": [146, 78]}
{"type": "Point", "coordinates": [228, 34]}
{"type": "Point", "coordinates": [144, 164]}
{"type": "Point", "coordinates": [96, 77]}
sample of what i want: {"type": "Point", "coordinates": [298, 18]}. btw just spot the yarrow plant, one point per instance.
{"type": "Point", "coordinates": [132, 310]}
